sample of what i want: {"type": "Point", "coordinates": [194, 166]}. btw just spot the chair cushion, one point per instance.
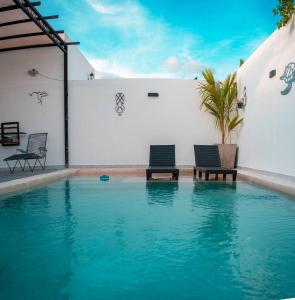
{"type": "Point", "coordinates": [23, 156]}
{"type": "Point", "coordinates": [162, 170]}
{"type": "Point", "coordinates": [217, 170]}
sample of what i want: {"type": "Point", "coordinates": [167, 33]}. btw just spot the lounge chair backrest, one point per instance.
{"type": "Point", "coordinates": [207, 156]}
{"type": "Point", "coordinates": [162, 155]}
{"type": "Point", "coordinates": [37, 143]}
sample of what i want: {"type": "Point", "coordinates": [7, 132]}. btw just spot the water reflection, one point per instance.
{"type": "Point", "coordinates": [219, 225]}
{"type": "Point", "coordinates": [69, 229]}
{"type": "Point", "coordinates": [161, 192]}
{"type": "Point", "coordinates": [70, 223]}
{"type": "Point", "coordinates": [216, 230]}
{"type": "Point", "coordinates": [22, 200]}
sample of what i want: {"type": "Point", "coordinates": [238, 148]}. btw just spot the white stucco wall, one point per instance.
{"type": "Point", "coordinates": [98, 136]}
{"type": "Point", "coordinates": [17, 105]}
{"type": "Point", "coordinates": [267, 138]}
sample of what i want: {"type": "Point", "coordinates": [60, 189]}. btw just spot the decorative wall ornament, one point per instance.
{"type": "Point", "coordinates": [91, 76]}
{"type": "Point", "coordinates": [243, 102]}
{"type": "Point", "coordinates": [119, 103]}
{"type": "Point", "coordinates": [272, 73]}
{"type": "Point", "coordinates": [288, 77]}
{"type": "Point", "coordinates": [40, 95]}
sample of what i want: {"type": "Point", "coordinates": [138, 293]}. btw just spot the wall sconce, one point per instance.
{"type": "Point", "coordinates": [243, 102]}
{"type": "Point", "coordinates": [33, 72]}
{"type": "Point", "coordinates": [91, 76]}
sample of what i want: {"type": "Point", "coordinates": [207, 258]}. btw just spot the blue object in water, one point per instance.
{"type": "Point", "coordinates": [104, 178]}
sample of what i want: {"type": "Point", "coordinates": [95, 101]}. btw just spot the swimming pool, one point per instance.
{"type": "Point", "coordinates": [128, 239]}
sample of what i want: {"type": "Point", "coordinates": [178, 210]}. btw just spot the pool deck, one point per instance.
{"type": "Point", "coordinates": [6, 175]}
{"type": "Point", "coordinates": [274, 181]}
{"type": "Point", "coordinates": [23, 180]}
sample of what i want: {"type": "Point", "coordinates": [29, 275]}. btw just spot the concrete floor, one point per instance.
{"type": "Point", "coordinates": [5, 174]}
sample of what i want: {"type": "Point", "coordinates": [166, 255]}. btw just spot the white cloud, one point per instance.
{"type": "Point", "coordinates": [186, 68]}
{"type": "Point", "coordinates": [133, 44]}
{"type": "Point", "coordinates": [172, 64]}
{"type": "Point", "coordinates": [144, 43]}
{"type": "Point", "coordinates": [102, 8]}
{"type": "Point", "coordinates": [107, 69]}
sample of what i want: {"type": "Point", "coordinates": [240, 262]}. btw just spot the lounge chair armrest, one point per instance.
{"type": "Point", "coordinates": [43, 151]}
{"type": "Point", "coordinates": [21, 150]}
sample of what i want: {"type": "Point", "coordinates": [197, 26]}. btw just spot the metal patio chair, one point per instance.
{"type": "Point", "coordinates": [36, 152]}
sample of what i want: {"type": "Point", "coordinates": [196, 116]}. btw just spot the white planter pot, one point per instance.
{"type": "Point", "coordinates": [227, 153]}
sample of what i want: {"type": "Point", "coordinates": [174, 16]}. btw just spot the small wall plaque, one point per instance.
{"type": "Point", "coordinates": [153, 94]}
{"type": "Point", "coordinates": [272, 73]}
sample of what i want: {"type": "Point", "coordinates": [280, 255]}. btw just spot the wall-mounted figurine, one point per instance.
{"type": "Point", "coordinates": [40, 95]}
{"type": "Point", "coordinates": [288, 77]}
{"type": "Point", "coordinates": [243, 101]}
{"type": "Point", "coordinates": [119, 103]}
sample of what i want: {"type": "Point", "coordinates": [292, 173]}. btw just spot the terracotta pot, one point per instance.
{"type": "Point", "coordinates": [227, 153]}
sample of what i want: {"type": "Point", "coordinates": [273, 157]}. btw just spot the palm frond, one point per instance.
{"type": "Point", "coordinates": [220, 100]}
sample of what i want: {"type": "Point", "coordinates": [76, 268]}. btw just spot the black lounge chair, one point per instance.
{"type": "Point", "coordinates": [36, 151]}
{"type": "Point", "coordinates": [162, 160]}
{"type": "Point", "coordinates": [208, 161]}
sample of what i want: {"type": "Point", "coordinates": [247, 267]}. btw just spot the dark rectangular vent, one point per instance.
{"type": "Point", "coordinates": [153, 94]}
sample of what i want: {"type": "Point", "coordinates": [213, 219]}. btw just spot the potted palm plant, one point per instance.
{"type": "Point", "coordinates": [220, 100]}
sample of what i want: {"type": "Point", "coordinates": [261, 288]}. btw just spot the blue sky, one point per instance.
{"type": "Point", "coordinates": [164, 38]}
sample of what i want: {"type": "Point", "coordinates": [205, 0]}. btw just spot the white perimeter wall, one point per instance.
{"type": "Point", "coordinates": [267, 138]}
{"type": "Point", "coordinates": [17, 105]}
{"type": "Point", "coordinates": [98, 136]}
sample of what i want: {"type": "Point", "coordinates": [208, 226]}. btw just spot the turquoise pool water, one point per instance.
{"type": "Point", "coordinates": [124, 239]}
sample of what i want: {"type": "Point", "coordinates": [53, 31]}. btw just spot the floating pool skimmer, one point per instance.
{"type": "Point", "coordinates": [104, 178]}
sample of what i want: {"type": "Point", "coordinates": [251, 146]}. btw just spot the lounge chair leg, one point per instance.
{"type": "Point", "coordinates": [207, 176]}
{"type": "Point", "coordinates": [29, 165]}
{"type": "Point", "coordinates": [224, 176]}
{"type": "Point", "coordinates": [22, 167]}
{"type": "Point", "coordinates": [148, 175]}
{"type": "Point", "coordinates": [195, 173]}
{"type": "Point", "coordinates": [200, 175]}
{"type": "Point", "coordinates": [41, 165]}
{"type": "Point", "coordinates": [11, 169]}
{"type": "Point", "coordinates": [176, 175]}
{"type": "Point", "coordinates": [34, 165]}
{"type": "Point", "coordinates": [234, 177]}
{"type": "Point", "coordinates": [216, 176]}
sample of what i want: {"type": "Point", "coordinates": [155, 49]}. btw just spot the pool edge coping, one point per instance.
{"type": "Point", "coordinates": [19, 184]}
{"type": "Point", "coordinates": [272, 182]}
